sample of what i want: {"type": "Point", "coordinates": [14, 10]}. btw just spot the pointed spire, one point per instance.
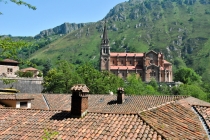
{"type": "Point", "coordinates": [105, 40]}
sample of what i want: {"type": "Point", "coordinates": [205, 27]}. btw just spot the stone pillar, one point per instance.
{"type": "Point", "coordinates": [165, 75]}
{"type": "Point", "coordinates": [159, 76]}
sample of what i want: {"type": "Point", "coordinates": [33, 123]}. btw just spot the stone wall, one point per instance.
{"type": "Point", "coordinates": [24, 85]}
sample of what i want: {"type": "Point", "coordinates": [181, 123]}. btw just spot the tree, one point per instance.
{"type": "Point", "coordinates": [186, 76]}
{"type": "Point", "coordinates": [9, 48]}
{"type": "Point", "coordinates": [191, 90]}
{"type": "Point", "coordinates": [19, 2]}
{"type": "Point", "coordinates": [61, 79]}
{"type": "Point", "coordinates": [98, 82]}
{"type": "Point", "coordinates": [134, 85]}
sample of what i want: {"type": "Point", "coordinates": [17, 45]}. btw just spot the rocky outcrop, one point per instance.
{"type": "Point", "coordinates": [64, 28]}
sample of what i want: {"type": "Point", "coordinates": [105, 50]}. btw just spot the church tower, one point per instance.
{"type": "Point", "coordinates": [105, 51]}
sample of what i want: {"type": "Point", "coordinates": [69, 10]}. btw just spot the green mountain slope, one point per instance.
{"type": "Point", "coordinates": [178, 28]}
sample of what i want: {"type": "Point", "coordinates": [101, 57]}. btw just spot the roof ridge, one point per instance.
{"type": "Point", "coordinates": [158, 106]}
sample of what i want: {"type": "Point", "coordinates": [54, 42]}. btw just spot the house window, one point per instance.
{"type": "Point", "coordinates": [161, 75]}
{"type": "Point", "coordinates": [151, 61]}
{"type": "Point", "coordinates": [9, 70]}
{"type": "Point", "coordinates": [23, 104]}
{"type": "Point", "coordinates": [121, 61]}
{"type": "Point", "coordinates": [152, 73]}
{"type": "Point", "coordinates": [130, 62]}
{"type": "Point", "coordinates": [113, 61]}
{"type": "Point", "coordinates": [139, 62]}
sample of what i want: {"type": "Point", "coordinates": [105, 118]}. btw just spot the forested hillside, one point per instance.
{"type": "Point", "coordinates": [178, 28]}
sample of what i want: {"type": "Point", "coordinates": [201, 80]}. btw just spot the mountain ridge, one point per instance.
{"type": "Point", "coordinates": [64, 28]}
{"type": "Point", "coordinates": [175, 27]}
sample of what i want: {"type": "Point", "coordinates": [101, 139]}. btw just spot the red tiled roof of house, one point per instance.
{"type": "Point", "coordinates": [30, 124]}
{"type": "Point", "coordinates": [14, 97]}
{"type": "Point", "coordinates": [139, 117]}
{"type": "Point", "coordinates": [29, 69]}
{"type": "Point", "coordinates": [191, 101]}
{"type": "Point", "coordinates": [39, 101]}
{"type": "Point", "coordinates": [107, 103]}
{"type": "Point", "coordinates": [124, 67]}
{"type": "Point", "coordinates": [98, 103]}
{"type": "Point", "coordinates": [58, 101]}
{"type": "Point", "coordinates": [132, 104]}
{"type": "Point", "coordinates": [9, 60]}
{"type": "Point", "coordinates": [128, 54]}
{"type": "Point", "coordinates": [174, 121]}
{"type": "Point", "coordinates": [205, 112]}
{"type": "Point", "coordinates": [80, 87]}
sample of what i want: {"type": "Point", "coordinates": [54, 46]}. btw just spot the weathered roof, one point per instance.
{"type": "Point", "coordinates": [139, 117]}
{"type": "Point", "coordinates": [174, 121]}
{"type": "Point", "coordinates": [132, 104]}
{"type": "Point", "coordinates": [9, 61]}
{"type": "Point", "coordinates": [80, 87]}
{"type": "Point", "coordinates": [30, 124]}
{"type": "Point", "coordinates": [97, 103]}
{"type": "Point", "coordinates": [29, 69]}
{"type": "Point", "coordinates": [205, 112]}
{"type": "Point", "coordinates": [127, 54]}
{"type": "Point", "coordinates": [14, 97]}
{"type": "Point", "coordinates": [39, 101]}
{"type": "Point", "coordinates": [125, 67]}
{"type": "Point", "coordinates": [58, 101]}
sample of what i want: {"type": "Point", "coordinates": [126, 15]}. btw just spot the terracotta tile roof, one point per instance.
{"type": "Point", "coordinates": [14, 97]}
{"type": "Point", "coordinates": [58, 101]}
{"type": "Point", "coordinates": [124, 67]}
{"type": "Point", "coordinates": [80, 87]}
{"type": "Point", "coordinates": [38, 102]}
{"type": "Point", "coordinates": [205, 112]}
{"type": "Point", "coordinates": [132, 104]}
{"type": "Point", "coordinates": [174, 121]}
{"type": "Point", "coordinates": [9, 60]}
{"type": "Point", "coordinates": [30, 124]}
{"type": "Point", "coordinates": [190, 101]}
{"type": "Point", "coordinates": [128, 54]}
{"type": "Point", "coordinates": [29, 69]}
{"type": "Point", "coordinates": [97, 103]}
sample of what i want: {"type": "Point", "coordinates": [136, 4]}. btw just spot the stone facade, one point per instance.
{"type": "Point", "coordinates": [8, 68]}
{"type": "Point", "coordinates": [150, 65]}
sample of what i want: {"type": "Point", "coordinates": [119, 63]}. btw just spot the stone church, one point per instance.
{"type": "Point", "coordinates": [150, 65]}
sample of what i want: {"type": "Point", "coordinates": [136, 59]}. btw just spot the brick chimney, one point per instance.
{"type": "Point", "coordinates": [120, 95]}
{"type": "Point", "coordinates": [79, 100]}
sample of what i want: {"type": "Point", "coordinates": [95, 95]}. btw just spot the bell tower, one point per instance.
{"type": "Point", "coordinates": [105, 51]}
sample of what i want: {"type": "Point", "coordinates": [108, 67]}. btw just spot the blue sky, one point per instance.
{"type": "Point", "coordinates": [21, 21]}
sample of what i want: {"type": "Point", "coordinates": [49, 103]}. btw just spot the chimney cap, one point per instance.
{"type": "Point", "coordinates": [120, 88]}
{"type": "Point", "coordinates": [80, 87]}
